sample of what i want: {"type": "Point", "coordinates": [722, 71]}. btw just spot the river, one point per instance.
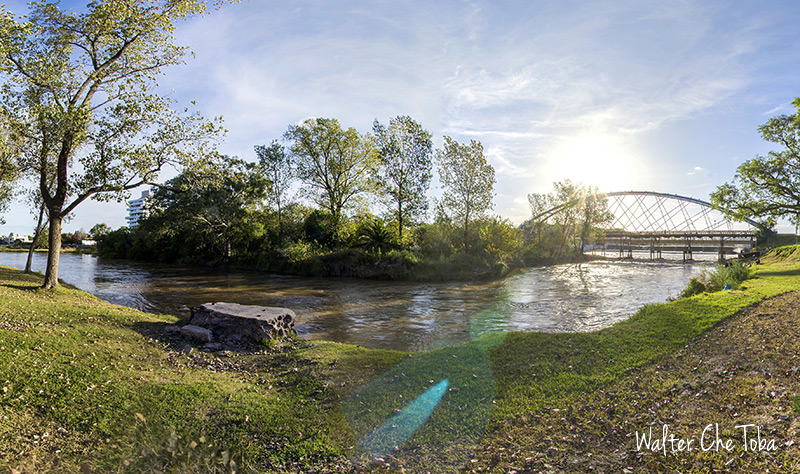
{"type": "Point", "coordinates": [392, 315]}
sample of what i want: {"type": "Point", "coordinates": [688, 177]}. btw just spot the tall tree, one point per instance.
{"type": "Point", "coordinates": [405, 150]}
{"type": "Point", "coordinates": [9, 169]}
{"type": "Point", "coordinates": [767, 187]}
{"type": "Point", "coordinates": [35, 200]}
{"type": "Point", "coordinates": [216, 204]}
{"type": "Point", "coordinates": [467, 181]}
{"type": "Point", "coordinates": [573, 211]}
{"type": "Point", "coordinates": [76, 96]}
{"type": "Point", "coordinates": [337, 164]}
{"type": "Point", "coordinates": [277, 166]}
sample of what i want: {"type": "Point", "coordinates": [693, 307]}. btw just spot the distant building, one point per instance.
{"type": "Point", "coordinates": [12, 239]}
{"type": "Point", "coordinates": [137, 209]}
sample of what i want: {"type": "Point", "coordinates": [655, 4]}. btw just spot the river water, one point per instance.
{"type": "Point", "coordinates": [392, 315]}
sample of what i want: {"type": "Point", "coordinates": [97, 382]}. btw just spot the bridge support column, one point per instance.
{"type": "Point", "coordinates": [687, 252]}
{"type": "Point", "coordinates": [655, 249]}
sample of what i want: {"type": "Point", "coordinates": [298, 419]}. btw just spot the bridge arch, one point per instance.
{"type": "Point", "coordinates": [648, 211]}
{"type": "Point", "coordinates": [642, 220]}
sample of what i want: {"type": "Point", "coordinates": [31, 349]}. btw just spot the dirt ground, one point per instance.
{"type": "Point", "coordinates": [738, 380]}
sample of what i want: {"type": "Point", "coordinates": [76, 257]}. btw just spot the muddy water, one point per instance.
{"type": "Point", "coordinates": [392, 315]}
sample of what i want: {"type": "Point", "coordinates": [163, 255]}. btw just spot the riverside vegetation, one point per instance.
{"type": "Point", "coordinates": [93, 387]}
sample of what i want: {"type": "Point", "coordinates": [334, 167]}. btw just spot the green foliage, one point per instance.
{"type": "Point", "coordinates": [99, 230]}
{"type": "Point", "coordinates": [375, 236]}
{"type": "Point", "coordinates": [467, 182]}
{"type": "Point", "coordinates": [564, 221]}
{"type": "Point", "coordinates": [766, 186]}
{"type": "Point", "coordinates": [695, 287]}
{"type": "Point", "coordinates": [78, 106]}
{"type": "Point", "coordinates": [202, 215]}
{"type": "Point", "coordinates": [278, 168]}
{"type": "Point", "coordinates": [405, 154]}
{"type": "Point", "coordinates": [733, 274]}
{"type": "Point", "coordinates": [9, 169]}
{"type": "Point", "coordinates": [337, 165]}
{"type": "Point", "coordinates": [320, 227]}
{"type": "Point", "coordinates": [500, 241]}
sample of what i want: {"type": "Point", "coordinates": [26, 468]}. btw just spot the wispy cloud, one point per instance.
{"type": "Point", "coordinates": [523, 77]}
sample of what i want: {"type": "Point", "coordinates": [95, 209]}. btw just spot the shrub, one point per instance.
{"type": "Point", "coordinates": [718, 278]}
{"type": "Point", "coordinates": [732, 274]}
{"type": "Point", "coordinates": [695, 287]}
{"type": "Point", "coordinates": [375, 236]}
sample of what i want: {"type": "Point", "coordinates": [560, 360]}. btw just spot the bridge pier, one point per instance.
{"type": "Point", "coordinates": [687, 252]}
{"type": "Point", "coordinates": [655, 249]}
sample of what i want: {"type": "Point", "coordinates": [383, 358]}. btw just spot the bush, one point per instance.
{"type": "Point", "coordinates": [732, 274]}
{"type": "Point", "coordinates": [718, 278]}
{"type": "Point", "coordinates": [695, 287]}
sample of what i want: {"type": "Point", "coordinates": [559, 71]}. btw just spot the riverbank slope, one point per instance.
{"type": "Point", "coordinates": [88, 385]}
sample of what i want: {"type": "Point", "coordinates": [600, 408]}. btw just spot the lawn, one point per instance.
{"type": "Point", "coordinates": [89, 385]}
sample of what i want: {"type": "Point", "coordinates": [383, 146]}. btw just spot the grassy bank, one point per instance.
{"type": "Point", "coordinates": [87, 383]}
{"type": "Point", "coordinates": [93, 384]}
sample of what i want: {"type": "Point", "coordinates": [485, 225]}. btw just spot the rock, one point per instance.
{"type": "Point", "coordinates": [233, 323]}
{"type": "Point", "coordinates": [196, 333]}
{"type": "Point", "coordinates": [213, 347]}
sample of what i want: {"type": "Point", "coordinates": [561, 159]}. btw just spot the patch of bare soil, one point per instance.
{"type": "Point", "coordinates": [694, 408]}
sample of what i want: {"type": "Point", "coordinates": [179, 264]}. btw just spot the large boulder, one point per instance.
{"type": "Point", "coordinates": [234, 323]}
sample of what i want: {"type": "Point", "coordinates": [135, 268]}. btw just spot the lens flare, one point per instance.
{"type": "Point", "coordinates": [397, 429]}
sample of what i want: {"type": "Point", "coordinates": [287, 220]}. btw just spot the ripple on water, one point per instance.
{"type": "Point", "coordinates": [392, 315]}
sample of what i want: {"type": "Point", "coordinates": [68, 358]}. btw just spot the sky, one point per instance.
{"type": "Point", "coordinates": [662, 96]}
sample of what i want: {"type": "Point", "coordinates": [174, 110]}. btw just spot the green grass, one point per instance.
{"type": "Point", "coordinates": [537, 370]}
{"type": "Point", "coordinates": [84, 382]}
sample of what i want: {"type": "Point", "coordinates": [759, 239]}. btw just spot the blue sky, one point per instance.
{"type": "Point", "coordinates": [627, 95]}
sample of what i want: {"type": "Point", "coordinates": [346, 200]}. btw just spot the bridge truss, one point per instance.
{"type": "Point", "coordinates": [657, 222]}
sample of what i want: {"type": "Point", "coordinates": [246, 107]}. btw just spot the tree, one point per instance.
{"type": "Point", "coordinates": [277, 166]}
{"type": "Point", "coordinates": [337, 164]}
{"type": "Point", "coordinates": [216, 204]}
{"type": "Point", "coordinates": [9, 170]}
{"type": "Point", "coordinates": [572, 212]}
{"type": "Point", "coordinates": [405, 151]}
{"type": "Point", "coordinates": [467, 181]}
{"type": "Point", "coordinates": [76, 96]}
{"type": "Point", "coordinates": [99, 230]}
{"type": "Point", "coordinates": [767, 187]}
{"type": "Point", "coordinates": [36, 202]}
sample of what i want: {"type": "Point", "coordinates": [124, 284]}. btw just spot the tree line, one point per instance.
{"type": "Point", "coordinates": [79, 118]}
{"type": "Point", "coordinates": [230, 210]}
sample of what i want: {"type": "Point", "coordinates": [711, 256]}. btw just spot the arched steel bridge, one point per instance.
{"type": "Point", "coordinates": [656, 222]}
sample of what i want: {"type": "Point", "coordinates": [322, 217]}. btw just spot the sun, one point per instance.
{"type": "Point", "coordinates": [596, 159]}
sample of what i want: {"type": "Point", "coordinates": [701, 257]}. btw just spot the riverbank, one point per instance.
{"type": "Point", "coordinates": [78, 250]}
{"type": "Point", "coordinates": [89, 383]}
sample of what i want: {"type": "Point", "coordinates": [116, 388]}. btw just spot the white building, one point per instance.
{"type": "Point", "coordinates": [137, 209]}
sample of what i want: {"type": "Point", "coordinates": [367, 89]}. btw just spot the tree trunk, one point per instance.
{"type": "Point", "coordinates": [466, 234]}
{"type": "Point", "coordinates": [54, 252]}
{"type": "Point", "coordinates": [280, 223]}
{"type": "Point", "coordinates": [36, 233]}
{"type": "Point", "coordinates": [399, 224]}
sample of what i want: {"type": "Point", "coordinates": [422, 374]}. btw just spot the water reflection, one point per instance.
{"type": "Point", "coordinates": [391, 315]}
